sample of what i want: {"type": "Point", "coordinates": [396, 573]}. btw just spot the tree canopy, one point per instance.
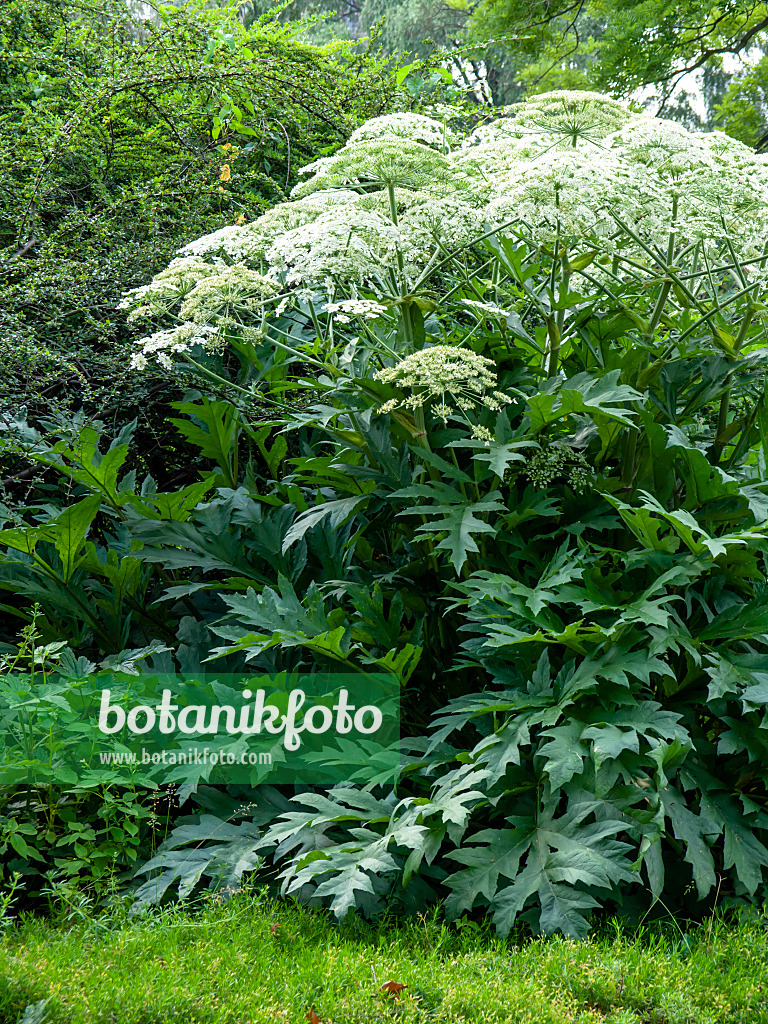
{"type": "Point", "coordinates": [703, 63]}
{"type": "Point", "coordinates": [628, 43]}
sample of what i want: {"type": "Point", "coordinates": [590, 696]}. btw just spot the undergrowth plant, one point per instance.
{"type": "Point", "coordinates": [486, 411]}
{"type": "Point", "coordinates": [79, 835]}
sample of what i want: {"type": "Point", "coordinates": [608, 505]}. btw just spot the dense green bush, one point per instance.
{"type": "Point", "coordinates": [116, 128]}
{"type": "Point", "coordinates": [123, 137]}
{"type": "Point", "coordinates": [486, 413]}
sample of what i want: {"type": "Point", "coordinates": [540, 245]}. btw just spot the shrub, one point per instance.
{"type": "Point", "coordinates": [116, 132]}
{"type": "Point", "coordinates": [518, 383]}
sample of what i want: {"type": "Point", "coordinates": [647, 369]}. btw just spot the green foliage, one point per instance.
{"type": "Point", "coordinates": [528, 477]}
{"type": "Point", "coordinates": [59, 833]}
{"type": "Point", "coordinates": [618, 47]}
{"type": "Point", "coordinates": [109, 165]}
{"type": "Point", "coordinates": [619, 639]}
{"type": "Point", "coordinates": [743, 111]}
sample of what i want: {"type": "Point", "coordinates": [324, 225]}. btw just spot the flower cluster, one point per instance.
{"type": "Point", "coordinates": [167, 288]}
{"type": "Point", "coordinates": [234, 288]}
{"type": "Point", "coordinates": [343, 312]}
{"type": "Point", "coordinates": [451, 378]}
{"type": "Point", "coordinates": [414, 127]}
{"type": "Point", "coordinates": [498, 148]}
{"type": "Point", "coordinates": [571, 114]}
{"type": "Point", "coordinates": [162, 345]}
{"type": "Point", "coordinates": [349, 243]}
{"type": "Point", "coordinates": [573, 191]}
{"type": "Point", "coordinates": [438, 223]}
{"type": "Point", "coordinates": [404, 192]}
{"type": "Point", "coordinates": [252, 241]}
{"type": "Point", "coordinates": [559, 461]}
{"type": "Point", "coordinates": [379, 161]}
{"type": "Point", "coordinates": [208, 303]}
{"type": "Point", "coordinates": [565, 162]}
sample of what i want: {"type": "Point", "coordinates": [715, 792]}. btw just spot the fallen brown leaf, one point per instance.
{"type": "Point", "coordinates": [393, 988]}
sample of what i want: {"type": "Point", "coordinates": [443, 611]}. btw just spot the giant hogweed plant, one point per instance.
{"type": "Point", "coordinates": [490, 415]}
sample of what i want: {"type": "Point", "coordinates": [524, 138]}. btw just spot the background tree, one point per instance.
{"type": "Point", "coordinates": [623, 46]}
{"type": "Point", "coordinates": [743, 107]}
{"type": "Point", "coordinates": [694, 60]}
{"type": "Point", "coordinates": [115, 122]}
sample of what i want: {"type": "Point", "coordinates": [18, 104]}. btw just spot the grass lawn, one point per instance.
{"type": "Point", "coordinates": [253, 960]}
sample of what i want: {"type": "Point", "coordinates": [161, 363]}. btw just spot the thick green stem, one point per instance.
{"type": "Point", "coordinates": [421, 426]}
{"type": "Point", "coordinates": [553, 333]}
{"type": "Point", "coordinates": [658, 309]}
{"type": "Point", "coordinates": [722, 423]}
{"type": "Point", "coordinates": [315, 321]}
{"type": "Point", "coordinates": [673, 231]}
{"type": "Point", "coordinates": [405, 309]}
{"type": "Point", "coordinates": [421, 438]}
{"type": "Point", "coordinates": [725, 402]}
{"type": "Point", "coordinates": [630, 450]}
{"type": "Point", "coordinates": [462, 488]}
{"type": "Point", "coordinates": [556, 335]}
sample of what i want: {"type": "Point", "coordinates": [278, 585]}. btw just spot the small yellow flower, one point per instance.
{"type": "Point", "coordinates": [226, 146]}
{"type": "Point", "coordinates": [225, 173]}
{"type": "Point", "coordinates": [240, 219]}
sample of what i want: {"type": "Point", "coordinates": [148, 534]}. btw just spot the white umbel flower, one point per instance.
{"type": "Point", "coordinates": [572, 114]}
{"type": "Point", "coordinates": [179, 278]}
{"type": "Point", "coordinates": [415, 127]}
{"type": "Point", "coordinates": [454, 378]}
{"type": "Point", "coordinates": [161, 346]}
{"type": "Point", "coordinates": [347, 243]}
{"type": "Point", "coordinates": [445, 224]}
{"type": "Point", "coordinates": [379, 162]}
{"type": "Point", "coordinates": [571, 166]}
{"type": "Point", "coordinates": [234, 288]}
{"type": "Point", "coordinates": [251, 241]}
{"type": "Point", "coordinates": [344, 311]}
